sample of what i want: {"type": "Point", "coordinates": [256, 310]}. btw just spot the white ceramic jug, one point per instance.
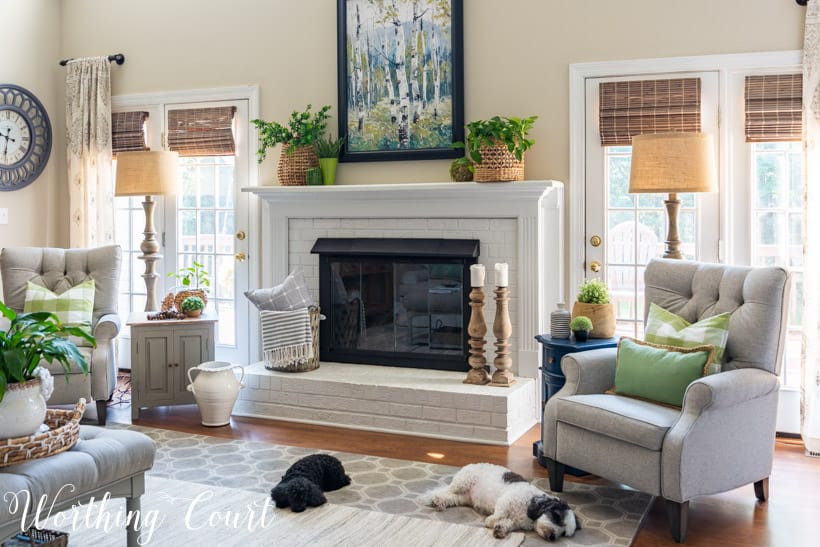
{"type": "Point", "coordinates": [215, 389]}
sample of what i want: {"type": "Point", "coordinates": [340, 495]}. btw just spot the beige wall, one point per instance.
{"type": "Point", "coordinates": [517, 54]}
{"type": "Point", "coordinates": [31, 49]}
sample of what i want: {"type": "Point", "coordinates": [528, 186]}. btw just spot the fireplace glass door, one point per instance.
{"type": "Point", "coordinates": [386, 311]}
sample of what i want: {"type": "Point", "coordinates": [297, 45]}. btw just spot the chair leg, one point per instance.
{"type": "Point", "coordinates": [556, 475]}
{"type": "Point", "coordinates": [678, 514]}
{"type": "Point", "coordinates": [102, 412]}
{"type": "Point", "coordinates": [762, 489]}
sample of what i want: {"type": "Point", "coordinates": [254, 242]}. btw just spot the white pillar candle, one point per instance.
{"type": "Point", "coordinates": [501, 274]}
{"type": "Point", "coordinates": [477, 275]}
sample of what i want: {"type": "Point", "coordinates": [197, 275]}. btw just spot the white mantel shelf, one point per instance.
{"type": "Point", "coordinates": [529, 213]}
{"type": "Point", "coordinates": [509, 191]}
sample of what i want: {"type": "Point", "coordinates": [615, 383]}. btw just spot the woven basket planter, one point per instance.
{"type": "Point", "coordinates": [293, 167]}
{"type": "Point", "coordinates": [601, 315]}
{"type": "Point", "coordinates": [313, 362]}
{"type": "Point", "coordinates": [498, 164]}
{"type": "Point", "coordinates": [182, 295]}
{"type": "Point", "coordinates": [63, 433]}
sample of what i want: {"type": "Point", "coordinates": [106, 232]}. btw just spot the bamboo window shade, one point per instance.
{"type": "Point", "coordinates": [774, 108]}
{"type": "Point", "coordinates": [647, 106]}
{"type": "Point", "coordinates": [128, 132]}
{"type": "Point", "coordinates": [202, 131]}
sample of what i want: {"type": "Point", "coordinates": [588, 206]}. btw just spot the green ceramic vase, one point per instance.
{"type": "Point", "coordinates": [328, 166]}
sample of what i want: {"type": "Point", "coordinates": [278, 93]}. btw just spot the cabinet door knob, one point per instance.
{"type": "Point", "coordinates": [550, 360]}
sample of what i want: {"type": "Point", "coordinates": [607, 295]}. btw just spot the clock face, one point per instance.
{"type": "Point", "coordinates": [25, 137]}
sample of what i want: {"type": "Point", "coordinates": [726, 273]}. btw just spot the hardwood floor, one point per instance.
{"type": "Point", "coordinates": [791, 517]}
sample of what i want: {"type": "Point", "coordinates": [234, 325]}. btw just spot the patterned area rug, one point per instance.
{"type": "Point", "coordinates": [609, 516]}
{"type": "Point", "coordinates": [121, 397]}
{"type": "Point", "coordinates": [181, 513]}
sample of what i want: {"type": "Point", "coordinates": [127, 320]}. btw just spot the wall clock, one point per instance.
{"type": "Point", "coordinates": [25, 137]}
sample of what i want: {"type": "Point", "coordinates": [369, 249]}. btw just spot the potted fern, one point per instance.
{"type": "Point", "coordinates": [496, 147]}
{"type": "Point", "coordinates": [593, 302]}
{"type": "Point", "coordinates": [298, 139]}
{"type": "Point", "coordinates": [29, 339]}
{"type": "Point", "coordinates": [328, 151]}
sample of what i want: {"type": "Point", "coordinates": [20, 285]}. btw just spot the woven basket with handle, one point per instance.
{"type": "Point", "coordinates": [498, 164]}
{"type": "Point", "coordinates": [309, 364]}
{"type": "Point", "coordinates": [293, 167]}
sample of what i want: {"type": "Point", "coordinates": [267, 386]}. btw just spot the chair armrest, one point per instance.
{"type": "Point", "coordinates": [588, 371]}
{"type": "Point", "coordinates": [724, 437]}
{"type": "Point", "coordinates": [727, 389]}
{"type": "Point", "coordinates": [108, 327]}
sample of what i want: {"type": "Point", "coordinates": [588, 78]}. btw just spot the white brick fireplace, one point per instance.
{"type": "Point", "coordinates": [519, 223]}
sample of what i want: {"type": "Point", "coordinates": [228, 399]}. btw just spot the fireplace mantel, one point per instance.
{"type": "Point", "coordinates": [537, 252]}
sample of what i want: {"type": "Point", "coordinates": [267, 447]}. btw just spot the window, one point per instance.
{"type": "Point", "coordinates": [201, 223]}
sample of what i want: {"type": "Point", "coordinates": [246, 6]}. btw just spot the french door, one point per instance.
{"type": "Point", "coordinates": [624, 231]}
{"type": "Point", "coordinates": [209, 223]}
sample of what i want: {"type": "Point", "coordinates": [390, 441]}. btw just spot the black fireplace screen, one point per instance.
{"type": "Point", "coordinates": [398, 302]}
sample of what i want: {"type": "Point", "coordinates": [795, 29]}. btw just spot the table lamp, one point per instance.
{"type": "Point", "coordinates": [148, 174]}
{"type": "Point", "coordinates": [672, 163]}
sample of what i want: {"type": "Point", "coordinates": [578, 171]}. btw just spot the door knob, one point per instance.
{"type": "Point", "coordinates": [595, 241]}
{"type": "Point", "coordinates": [240, 256]}
{"type": "Point", "coordinates": [595, 266]}
{"type": "Point", "coordinates": [240, 235]}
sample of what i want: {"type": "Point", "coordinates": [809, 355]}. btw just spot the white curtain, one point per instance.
{"type": "Point", "coordinates": [88, 139]}
{"type": "Point", "coordinates": [810, 387]}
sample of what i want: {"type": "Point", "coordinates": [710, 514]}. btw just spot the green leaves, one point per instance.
{"type": "Point", "coordinates": [327, 147]}
{"type": "Point", "coordinates": [511, 132]}
{"type": "Point", "coordinates": [193, 274]}
{"type": "Point", "coordinates": [34, 337]}
{"type": "Point", "coordinates": [302, 129]}
{"type": "Point", "coordinates": [593, 291]}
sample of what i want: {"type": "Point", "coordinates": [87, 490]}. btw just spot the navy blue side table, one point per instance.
{"type": "Point", "coordinates": [552, 378]}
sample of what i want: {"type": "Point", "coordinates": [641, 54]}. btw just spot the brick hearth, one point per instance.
{"type": "Point", "coordinates": [395, 400]}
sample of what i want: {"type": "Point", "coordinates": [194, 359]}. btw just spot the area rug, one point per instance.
{"type": "Point", "coordinates": [609, 515]}
{"type": "Point", "coordinates": [121, 397]}
{"type": "Point", "coordinates": [183, 513]}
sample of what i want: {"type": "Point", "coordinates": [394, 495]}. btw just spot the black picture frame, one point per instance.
{"type": "Point", "coordinates": [442, 65]}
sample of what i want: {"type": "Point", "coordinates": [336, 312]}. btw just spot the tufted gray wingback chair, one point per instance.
{"type": "Point", "coordinates": [722, 437]}
{"type": "Point", "coordinates": [59, 270]}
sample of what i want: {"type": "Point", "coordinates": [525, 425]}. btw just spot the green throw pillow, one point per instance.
{"type": "Point", "coordinates": [73, 307]}
{"type": "Point", "coordinates": [658, 373]}
{"type": "Point", "coordinates": [666, 328]}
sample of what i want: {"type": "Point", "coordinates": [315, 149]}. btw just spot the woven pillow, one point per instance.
{"type": "Point", "coordinates": [664, 327]}
{"type": "Point", "coordinates": [658, 373]}
{"type": "Point", "coordinates": [74, 307]}
{"type": "Point", "coordinates": [291, 294]}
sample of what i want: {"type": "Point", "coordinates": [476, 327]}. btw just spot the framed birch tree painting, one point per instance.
{"type": "Point", "coordinates": [401, 79]}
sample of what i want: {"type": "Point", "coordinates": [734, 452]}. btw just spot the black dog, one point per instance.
{"type": "Point", "coordinates": [305, 481]}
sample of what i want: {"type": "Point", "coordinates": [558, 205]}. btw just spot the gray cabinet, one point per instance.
{"type": "Point", "coordinates": [161, 354]}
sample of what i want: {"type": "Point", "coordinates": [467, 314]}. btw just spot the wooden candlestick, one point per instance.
{"type": "Point", "coordinates": [477, 329]}
{"type": "Point", "coordinates": [502, 329]}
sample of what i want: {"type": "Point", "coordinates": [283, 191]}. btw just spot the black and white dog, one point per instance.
{"type": "Point", "coordinates": [304, 483]}
{"type": "Point", "coordinates": [511, 502]}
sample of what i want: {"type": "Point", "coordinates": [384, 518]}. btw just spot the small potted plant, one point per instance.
{"type": "Point", "coordinates": [496, 147]}
{"type": "Point", "coordinates": [593, 301]}
{"type": "Point", "coordinates": [29, 339]}
{"type": "Point", "coordinates": [192, 306]}
{"type": "Point", "coordinates": [194, 282]}
{"type": "Point", "coordinates": [298, 139]}
{"type": "Point", "coordinates": [461, 170]}
{"type": "Point", "coordinates": [328, 150]}
{"type": "Point", "coordinates": [581, 326]}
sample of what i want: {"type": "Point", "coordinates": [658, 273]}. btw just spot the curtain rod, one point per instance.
{"type": "Point", "coordinates": [119, 58]}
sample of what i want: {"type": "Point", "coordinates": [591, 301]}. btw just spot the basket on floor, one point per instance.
{"type": "Point", "coordinates": [308, 364]}
{"type": "Point", "coordinates": [498, 164]}
{"type": "Point", "coordinates": [40, 538]}
{"type": "Point", "coordinates": [63, 433]}
{"type": "Point", "coordinates": [292, 169]}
